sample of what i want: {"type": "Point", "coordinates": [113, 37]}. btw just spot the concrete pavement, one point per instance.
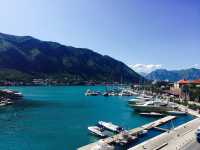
{"type": "Point", "coordinates": [176, 139]}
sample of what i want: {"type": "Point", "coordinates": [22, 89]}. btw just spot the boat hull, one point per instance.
{"type": "Point", "coordinates": [151, 108]}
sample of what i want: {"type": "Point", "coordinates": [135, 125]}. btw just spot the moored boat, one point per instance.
{"type": "Point", "coordinates": [92, 93]}
{"type": "Point", "coordinates": [97, 131]}
{"type": "Point", "coordinates": [154, 106]}
{"type": "Point", "coordinates": [11, 94]}
{"type": "Point", "coordinates": [110, 126]}
{"type": "Point", "coordinates": [174, 112]}
{"type": "Point", "coordinates": [152, 114]}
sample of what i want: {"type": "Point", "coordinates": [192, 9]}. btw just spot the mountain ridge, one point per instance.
{"type": "Point", "coordinates": [35, 58]}
{"type": "Point", "coordinates": [174, 75]}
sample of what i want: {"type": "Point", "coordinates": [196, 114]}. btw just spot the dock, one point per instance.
{"type": "Point", "coordinates": [133, 132]}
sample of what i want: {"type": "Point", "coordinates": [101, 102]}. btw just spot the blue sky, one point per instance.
{"type": "Point", "coordinates": [143, 33]}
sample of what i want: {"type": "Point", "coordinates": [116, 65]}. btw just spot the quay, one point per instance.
{"type": "Point", "coordinates": [180, 138]}
{"type": "Point", "coordinates": [133, 132]}
{"type": "Point", "coordinates": [175, 139]}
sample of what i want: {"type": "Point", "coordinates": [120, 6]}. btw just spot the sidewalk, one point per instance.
{"type": "Point", "coordinates": [174, 140]}
{"type": "Point", "coordinates": [177, 138]}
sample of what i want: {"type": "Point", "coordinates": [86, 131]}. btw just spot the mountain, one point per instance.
{"type": "Point", "coordinates": [143, 73]}
{"type": "Point", "coordinates": [174, 75]}
{"type": "Point", "coordinates": [25, 58]}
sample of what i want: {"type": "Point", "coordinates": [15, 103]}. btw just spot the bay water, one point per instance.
{"type": "Point", "coordinates": [57, 117]}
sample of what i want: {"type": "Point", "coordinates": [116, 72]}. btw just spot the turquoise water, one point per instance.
{"type": "Point", "coordinates": [56, 118]}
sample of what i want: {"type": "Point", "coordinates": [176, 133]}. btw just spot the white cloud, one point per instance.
{"type": "Point", "coordinates": [146, 68]}
{"type": "Point", "coordinates": [196, 66]}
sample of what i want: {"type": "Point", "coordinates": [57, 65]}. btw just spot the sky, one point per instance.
{"type": "Point", "coordinates": [144, 34]}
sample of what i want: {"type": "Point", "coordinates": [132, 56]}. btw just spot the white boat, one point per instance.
{"type": "Point", "coordinates": [91, 93]}
{"type": "Point", "coordinates": [2, 103]}
{"type": "Point", "coordinates": [96, 131]}
{"type": "Point", "coordinates": [126, 92]}
{"type": "Point", "coordinates": [174, 112]}
{"type": "Point", "coordinates": [152, 114]}
{"type": "Point", "coordinates": [140, 99]}
{"type": "Point", "coordinates": [110, 126]}
{"type": "Point", "coordinates": [12, 94]}
{"type": "Point", "coordinates": [135, 100]}
{"type": "Point", "coordinates": [156, 105]}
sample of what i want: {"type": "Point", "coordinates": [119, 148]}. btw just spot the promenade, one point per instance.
{"type": "Point", "coordinates": [180, 138]}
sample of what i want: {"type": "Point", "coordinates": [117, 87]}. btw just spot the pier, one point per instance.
{"type": "Point", "coordinates": [133, 132]}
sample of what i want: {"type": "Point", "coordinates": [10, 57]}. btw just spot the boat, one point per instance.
{"type": "Point", "coordinates": [2, 103]}
{"type": "Point", "coordinates": [126, 92]}
{"type": "Point", "coordinates": [110, 126]}
{"type": "Point", "coordinates": [136, 100]}
{"type": "Point", "coordinates": [154, 106]}
{"type": "Point", "coordinates": [144, 97]}
{"type": "Point", "coordinates": [174, 112]}
{"type": "Point", "coordinates": [105, 94]}
{"type": "Point", "coordinates": [140, 99]}
{"type": "Point", "coordinates": [92, 93]}
{"type": "Point", "coordinates": [152, 114]}
{"type": "Point", "coordinates": [11, 94]}
{"type": "Point", "coordinates": [97, 131]}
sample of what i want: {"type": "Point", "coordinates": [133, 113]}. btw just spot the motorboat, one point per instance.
{"type": "Point", "coordinates": [126, 92]}
{"type": "Point", "coordinates": [92, 93]}
{"type": "Point", "coordinates": [11, 94]}
{"type": "Point", "coordinates": [174, 112]}
{"type": "Point", "coordinates": [110, 126]}
{"type": "Point", "coordinates": [154, 106]}
{"type": "Point", "coordinates": [152, 114]}
{"type": "Point", "coordinates": [105, 94]}
{"type": "Point", "coordinates": [97, 131]}
{"type": "Point", "coordinates": [140, 99]}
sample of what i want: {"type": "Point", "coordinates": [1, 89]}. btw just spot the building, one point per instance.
{"type": "Point", "coordinates": [181, 87]}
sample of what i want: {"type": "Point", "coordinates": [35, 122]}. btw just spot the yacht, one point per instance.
{"type": "Point", "coordinates": [110, 126]}
{"type": "Point", "coordinates": [105, 94]}
{"type": "Point", "coordinates": [154, 106]}
{"type": "Point", "coordinates": [126, 92]}
{"type": "Point", "coordinates": [91, 93]}
{"type": "Point", "coordinates": [140, 99]}
{"type": "Point", "coordinates": [12, 94]}
{"type": "Point", "coordinates": [152, 114]}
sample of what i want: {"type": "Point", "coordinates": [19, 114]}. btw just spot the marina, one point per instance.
{"type": "Point", "coordinates": [58, 112]}
{"type": "Point", "coordinates": [54, 117]}
{"type": "Point", "coordinates": [133, 132]}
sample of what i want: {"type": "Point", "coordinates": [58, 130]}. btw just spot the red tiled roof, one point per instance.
{"type": "Point", "coordinates": [183, 81]}
{"type": "Point", "coordinates": [196, 81]}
